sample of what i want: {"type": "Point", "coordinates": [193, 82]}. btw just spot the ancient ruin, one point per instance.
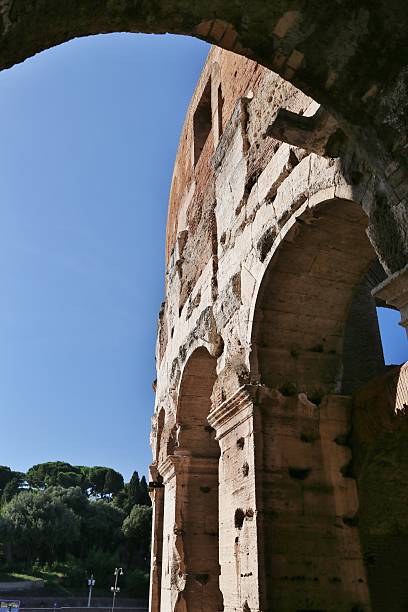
{"type": "Point", "coordinates": [277, 428]}
{"type": "Point", "coordinates": [280, 443]}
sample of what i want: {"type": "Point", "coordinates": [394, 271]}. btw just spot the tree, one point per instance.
{"type": "Point", "coordinates": [73, 497]}
{"type": "Point", "coordinates": [133, 489]}
{"type": "Point", "coordinates": [10, 483]}
{"type": "Point", "coordinates": [52, 473]}
{"type": "Point", "coordinates": [104, 481]}
{"type": "Point", "coordinates": [144, 491]}
{"type": "Point", "coordinates": [12, 488]}
{"type": "Point", "coordinates": [69, 479]}
{"type": "Point", "coordinates": [113, 482]}
{"type": "Point", "coordinates": [38, 525]}
{"type": "Point", "coordinates": [102, 526]}
{"type": "Point", "coordinates": [137, 529]}
{"type": "Point", "coordinates": [135, 492]}
{"type": "Point", "coordinates": [6, 474]}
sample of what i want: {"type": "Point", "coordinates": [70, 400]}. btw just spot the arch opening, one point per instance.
{"type": "Point", "coordinates": [199, 504]}
{"type": "Point", "coordinates": [313, 304]}
{"type": "Point", "coordinates": [315, 342]}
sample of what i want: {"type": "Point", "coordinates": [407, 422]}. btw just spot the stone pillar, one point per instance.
{"type": "Point", "coordinates": [309, 505]}
{"type": "Point", "coordinates": [190, 573]}
{"type": "Point", "coordinates": [394, 291]}
{"type": "Point", "coordinates": [157, 497]}
{"type": "Point", "coordinates": [235, 423]}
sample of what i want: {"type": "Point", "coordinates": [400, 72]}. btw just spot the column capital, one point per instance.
{"type": "Point", "coordinates": [172, 465]}
{"type": "Point", "coordinates": [394, 291]}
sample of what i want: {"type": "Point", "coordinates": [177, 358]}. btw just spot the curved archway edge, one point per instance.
{"type": "Point", "coordinates": [346, 58]}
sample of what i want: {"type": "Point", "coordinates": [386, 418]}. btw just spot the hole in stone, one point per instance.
{"type": "Point", "coordinates": [299, 473]}
{"type": "Point", "coordinates": [246, 608]}
{"type": "Point", "coordinates": [202, 578]}
{"type": "Point", "coordinates": [350, 521]}
{"type": "Point", "coordinates": [309, 436]}
{"type": "Point", "coordinates": [205, 489]}
{"type": "Point", "coordinates": [249, 513]}
{"type": "Point", "coordinates": [245, 469]}
{"type": "Point", "coordinates": [236, 540]}
{"type": "Point", "coordinates": [343, 440]}
{"type": "Point", "coordinates": [220, 107]}
{"type": "Point", "coordinates": [239, 518]}
{"type": "Point", "coordinates": [202, 121]}
{"type": "Point", "coordinates": [347, 470]}
{"type": "Point", "coordinates": [316, 396]}
{"type": "Point", "coordinates": [240, 443]}
{"type": "Point", "coordinates": [288, 389]}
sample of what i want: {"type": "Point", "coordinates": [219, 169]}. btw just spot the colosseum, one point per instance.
{"type": "Point", "coordinates": [279, 478]}
{"type": "Point", "coordinates": [280, 440]}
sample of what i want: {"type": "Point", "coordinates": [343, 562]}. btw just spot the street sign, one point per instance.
{"type": "Point", "coordinates": [9, 605]}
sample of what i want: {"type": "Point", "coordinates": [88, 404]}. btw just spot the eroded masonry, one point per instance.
{"type": "Point", "coordinates": [280, 439]}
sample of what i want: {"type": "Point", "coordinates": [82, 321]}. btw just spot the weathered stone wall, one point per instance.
{"type": "Point", "coordinates": [268, 322]}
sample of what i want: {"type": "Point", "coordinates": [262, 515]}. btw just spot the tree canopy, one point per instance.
{"type": "Point", "coordinates": [87, 518]}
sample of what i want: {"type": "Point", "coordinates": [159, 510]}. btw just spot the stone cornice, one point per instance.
{"type": "Point", "coordinates": [184, 463]}
{"type": "Point", "coordinates": [233, 411]}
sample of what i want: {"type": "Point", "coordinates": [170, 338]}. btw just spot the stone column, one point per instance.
{"type": "Point", "coordinates": [190, 574]}
{"type": "Point", "coordinates": [394, 291]}
{"type": "Point", "coordinates": [157, 497]}
{"type": "Point", "coordinates": [173, 471]}
{"type": "Point", "coordinates": [235, 422]}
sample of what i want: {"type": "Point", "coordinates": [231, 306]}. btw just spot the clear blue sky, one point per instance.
{"type": "Point", "coordinates": [89, 132]}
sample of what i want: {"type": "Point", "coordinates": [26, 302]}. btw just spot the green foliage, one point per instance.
{"type": "Point", "coordinates": [38, 525]}
{"type": "Point", "coordinates": [137, 583]}
{"type": "Point", "coordinates": [56, 473]}
{"type": "Point", "coordinates": [135, 492]}
{"type": "Point", "coordinates": [137, 529]}
{"type": "Point", "coordinates": [5, 476]}
{"type": "Point", "coordinates": [65, 521]}
{"type": "Point", "coordinates": [102, 563]}
{"type": "Point", "coordinates": [12, 488]}
{"type": "Point", "coordinates": [136, 526]}
{"type": "Point", "coordinates": [103, 525]}
{"type": "Point", "coordinates": [104, 482]}
{"type": "Point", "coordinates": [10, 483]}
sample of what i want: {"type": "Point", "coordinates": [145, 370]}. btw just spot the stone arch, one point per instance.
{"type": "Point", "coordinates": [301, 312]}
{"type": "Point", "coordinates": [195, 436]}
{"type": "Point", "coordinates": [305, 46]}
{"type": "Point", "coordinates": [276, 36]}
{"type": "Point", "coordinates": [196, 459]}
{"type": "Point", "coordinates": [310, 319]}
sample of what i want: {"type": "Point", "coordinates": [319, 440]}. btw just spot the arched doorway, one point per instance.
{"type": "Point", "coordinates": [192, 551]}
{"type": "Point", "coordinates": [303, 303]}
{"type": "Point", "coordinates": [314, 314]}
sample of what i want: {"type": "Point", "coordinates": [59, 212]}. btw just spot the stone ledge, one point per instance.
{"type": "Point", "coordinates": [394, 291]}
